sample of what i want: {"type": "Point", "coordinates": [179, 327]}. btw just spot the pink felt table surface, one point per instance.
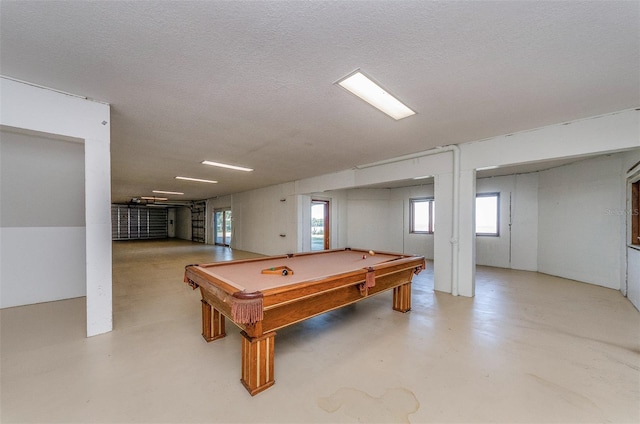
{"type": "Point", "coordinates": [248, 275]}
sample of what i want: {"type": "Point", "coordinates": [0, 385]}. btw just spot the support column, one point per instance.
{"type": "Point", "coordinates": [212, 323]}
{"type": "Point", "coordinates": [442, 251]}
{"type": "Point", "coordinates": [402, 298]}
{"type": "Point", "coordinates": [466, 264]}
{"type": "Point", "coordinates": [454, 239]}
{"type": "Point", "coordinates": [98, 236]}
{"type": "Point", "coordinates": [257, 362]}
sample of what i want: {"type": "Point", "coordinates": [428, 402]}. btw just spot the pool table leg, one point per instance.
{"type": "Point", "coordinates": [257, 362]}
{"type": "Point", "coordinates": [402, 298]}
{"type": "Point", "coordinates": [212, 323]}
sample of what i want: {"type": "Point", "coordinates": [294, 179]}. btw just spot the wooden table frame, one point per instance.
{"type": "Point", "coordinates": [279, 307]}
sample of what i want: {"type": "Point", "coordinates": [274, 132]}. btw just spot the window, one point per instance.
{"type": "Point", "coordinates": [487, 214]}
{"type": "Point", "coordinates": [635, 213]}
{"type": "Point", "coordinates": [421, 216]}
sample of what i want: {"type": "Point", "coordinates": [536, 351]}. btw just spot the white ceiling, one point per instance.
{"type": "Point", "coordinates": [251, 83]}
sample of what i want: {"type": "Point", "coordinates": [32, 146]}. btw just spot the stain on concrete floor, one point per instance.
{"type": "Point", "coordinates": [394, 406]}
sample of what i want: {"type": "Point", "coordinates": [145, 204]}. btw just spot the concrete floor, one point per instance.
{"type": "Point", "coordinates": [528, 348]}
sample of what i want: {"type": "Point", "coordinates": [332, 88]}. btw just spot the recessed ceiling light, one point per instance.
{"type": "Point", "coordinates": [167, 192]}
{"type": "Point", "coordinates": [196, 179]}
{"type": "Point", "coordinates": [224, 165]}
{"type": "Point", "coordinates": [364, 87]}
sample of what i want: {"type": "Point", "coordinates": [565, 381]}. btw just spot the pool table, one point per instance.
{"type": "Point", "coordinates": [264, 294]}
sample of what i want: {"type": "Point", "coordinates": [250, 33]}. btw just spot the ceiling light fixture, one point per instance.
{"type": "Point", "coordinates": [224, 165]}
{"type": "Point", "coordinates": [154, 198]}
{"type": "Point", "coordinates": [364, 87]}
{"type": "Point", "coordinates": [196, 179]}
{"type": "Point", "coordinates": [167, 192]}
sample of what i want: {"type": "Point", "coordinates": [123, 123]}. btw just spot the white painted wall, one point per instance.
{"type": "Point", "coordinates": [35, 109]}
{"type": "Point", "coordinates": [42, 264]}
{"type": "Point", "coordinates": [439, 165]}
{"type": "Point", "coordinates": [517, 245]}
{"type": "Point", "coordinates": [633, 276]}
{"type": "Point", "coordinates": [578, 239]}
{"type": "Point", "coordinates": [454, 244]}
{"type": "Point", "coordinates": [419, 244]}
{"type": "Point", "coordinates": [600, 134]}
{"type": "Point", "coordinates": [183, 223]}
{"type": "Point", "coordinates": [463, 268]}
{"type": "Point", "coordinates": [51, 171]}
{"type": "Point", "coordinates": [369, 218]}
{"type": "Point", "coordinates": [171, 222]}
{"type": "Point", "coordinates": [370, 221]}
{"type": "Point", "coordinates": [443, 249]}
{"type": "Point", "coordinates": [524, 222]}
{"type": "Point", "coordinates": [266, 220]}
{"type": "Point", "coordinates": [303, 224]}
{"type": "Point", "coordinates": [491, 250]}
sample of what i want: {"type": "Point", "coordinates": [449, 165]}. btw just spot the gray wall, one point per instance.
{"type": "Point", "coordinates": [42, 218]}
{"type": "Point", "coordinates": [183, 223]}
{"type": "Point", "coordinates": [578, 238]}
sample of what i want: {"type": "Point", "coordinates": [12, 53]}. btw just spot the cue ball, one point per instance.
{"type": "Point", "coordinates": [371, 252]}
{"type": "Point", "coordinates": [285, 272]}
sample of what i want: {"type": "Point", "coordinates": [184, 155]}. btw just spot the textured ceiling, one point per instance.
{"type": "Point", "coordinates": [251, 83]}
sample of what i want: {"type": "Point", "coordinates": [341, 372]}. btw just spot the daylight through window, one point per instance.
{"type": "Point", "coordinates": [421, 217]}
{"type": "Point", "coordinates": [487, 214]}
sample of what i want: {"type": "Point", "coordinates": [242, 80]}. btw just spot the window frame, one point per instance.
{"type": "Point", "coordinates": [326, 223]}
{"type": "Point", "coordinates": [412, 202]}
{"type": "Point", "coordinates": [497, 196]}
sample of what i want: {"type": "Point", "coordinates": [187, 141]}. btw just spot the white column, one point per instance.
{"type": "Point", "coordinates": [98, 242]}
{"type": "Point", "coordinates": [466, 234]}
{"type": "Point", "coordinates": [443, 232]}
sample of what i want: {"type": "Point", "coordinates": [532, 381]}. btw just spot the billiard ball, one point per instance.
{"type": "Point", "coordinates": [285, 272]}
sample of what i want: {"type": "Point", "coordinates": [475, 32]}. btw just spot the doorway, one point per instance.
{"type": "Point", "coordinates": [319, 225]}
{"type": "Point", "coordinates": [222, 227]}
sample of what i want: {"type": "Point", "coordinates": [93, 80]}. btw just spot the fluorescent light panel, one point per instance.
{"type": "Point", "coordinates": [153, 198]}
{"type": "Point", "coordinates": [224, 165]}
{"type": "Point", "coordinates": [167, 192]}
{"type": "Point", "coordinates": [363, 87]}
{"type": "Point", "coordinates": [196, 179]}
